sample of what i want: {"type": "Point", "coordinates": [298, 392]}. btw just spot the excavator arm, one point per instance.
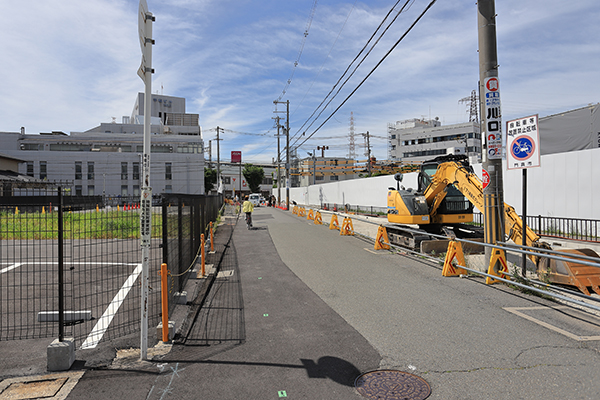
{"type": "Point", "coordinates": [564, 272]}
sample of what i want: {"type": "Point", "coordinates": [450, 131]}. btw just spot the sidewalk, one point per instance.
{"type": "Point", "coordinates": [260, 334]}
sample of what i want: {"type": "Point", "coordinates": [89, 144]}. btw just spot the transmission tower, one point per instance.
{"type": "Point", "coordinates": [473, 100]}
{"type": "Point", "coordinates": [351, 144]}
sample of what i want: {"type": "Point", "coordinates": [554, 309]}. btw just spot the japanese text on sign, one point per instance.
{"type": "Point", "coordinates": [146, 217]}
{"type": "Point", "coordinates": [493, 118]}
{"type": "Point", "coordinates": [523, 149]}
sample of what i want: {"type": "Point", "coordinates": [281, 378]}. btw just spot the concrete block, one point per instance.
{"type": "Point", "coordinates": [180, 297]}
{"type": "Point", "coordinates": [61, 355]}
{"type": "Point", "coordinates": [159, 330]}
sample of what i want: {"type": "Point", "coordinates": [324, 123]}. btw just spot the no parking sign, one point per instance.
{"type": "Point", "coordinates": [523, 143]}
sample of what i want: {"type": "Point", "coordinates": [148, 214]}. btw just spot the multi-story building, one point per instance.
{"type": "Point", "coordinates": [420, 139]}
{"type": "Point", "coordinates": [107, 159]}
{"type": "Point", "coordinates": [317, 170]}
{"type": "Point", "coordinates": [234, 182]}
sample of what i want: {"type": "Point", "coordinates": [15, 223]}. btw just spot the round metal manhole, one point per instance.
{"type": "Point", "coordinates": [392, 385]}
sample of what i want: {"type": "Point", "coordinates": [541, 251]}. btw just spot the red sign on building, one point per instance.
{"type": "Point", "coordinates": [236, 156]}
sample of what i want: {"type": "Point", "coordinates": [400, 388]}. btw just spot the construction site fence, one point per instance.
{"type": "Point", "coordinates": [96, 245]}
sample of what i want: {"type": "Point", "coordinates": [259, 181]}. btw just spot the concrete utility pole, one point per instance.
{"type": "Point", "coordinates": [491, 118]}
{"type": "Point", "coordinates": [278, 163]}
{"type": "Point", "coordinates": [368, 153]}
{"type": "Point", "coordinates": [218, 158]}
{"type": "Point", "coordinates": [288, 164]}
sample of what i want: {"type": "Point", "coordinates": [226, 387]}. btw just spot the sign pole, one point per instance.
{"type": "Point", "coordinates": [524, 238]}
{"type": "Point", "coordinates": [145, 27]}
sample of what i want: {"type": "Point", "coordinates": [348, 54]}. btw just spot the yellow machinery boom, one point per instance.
{"type": "Point", "coordinates": [569, 273]}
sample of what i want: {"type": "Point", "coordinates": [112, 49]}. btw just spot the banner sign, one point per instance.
{"type": "Point", "coordinates": [493, 129]}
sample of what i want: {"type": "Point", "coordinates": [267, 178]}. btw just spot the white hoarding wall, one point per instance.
{"type": "Point", "coordinates": [566, 185]}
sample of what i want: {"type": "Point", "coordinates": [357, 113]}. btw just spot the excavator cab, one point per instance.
{"type": "Point", "coordinates": [454, 208]}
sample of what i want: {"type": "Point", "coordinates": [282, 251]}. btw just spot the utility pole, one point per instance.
{"type": "Point", "coordinates": [491, 118]}
{"type": "Point", "coordinates": [288, 164]}
{"type": "Point", "coordinates": [210, 155]}
{"type": "Point", "coordinates": [219, 158]}
{"type": "Point", "coordinates": [368, 154]}
{"type": "Point", "coordinates": [278, 163]}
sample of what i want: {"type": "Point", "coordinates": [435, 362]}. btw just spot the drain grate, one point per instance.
{"type": "Point", "coordinates": [392, 385]}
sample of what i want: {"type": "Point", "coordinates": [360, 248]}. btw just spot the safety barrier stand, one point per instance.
{"type": "Point", "coordinates": [318, 219]}
{"type": "Point", "coordinates": [302, 212]}
{"type": "Point", "coordinates": [382, 242]}
{"type": "Point", "coordinates": [310, 215]}
{"type": "Point", "coordinates": [498, 259]}
{"type": "Point", "coordinates": [295, 210]}
{"type": "Point", "coordinates": [334, 224]}
{"type": "Point", "coordinates": [455, 251]}
{"type": "Point", "coordinates": [203, 255]}
{"type": "Point", "coordinates": [347, 227]}
{"type": "Point", "coordinates": [164, 290]}
{"type": "Point", "coordinates": [212, 238]}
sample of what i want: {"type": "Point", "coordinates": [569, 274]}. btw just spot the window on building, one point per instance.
{"type": "Point", "coordinates": [124, 190]}
{"type": "Point", "coordinates": [90, 173]}
{"type": "Point", "coordinates": [393, 137]}
{"type": "Point", "coordinates": [30, 168]}
{"type": "Point", "coordinates": [136, 190]}
{"type": "Point", "coordinates": [91, 190]}
{"type": "Point", "coordinates": [78, 170]}
{"type": "Point", "coordinates": [168, 172]}
{"type": "Point", "coordinates": [43, 170]}
{"type": "Point", "coordinates": [78, 190]}
{"type": "Point", "coordinates": [267, 181]}
{"type": "Point", "coordinates": [168, 189]}
{"type": "Point", "coordinates": [124, 171]}
{"type": "Point", "coordinates": [226, 180]}
{"type": "Point", "coordinates": [136, 171]}
{"type": "Point", "coordinates": [319, 178]}
{"type": "Point", "coordinates": [334, 178]}
{"type": "Point", "coordinates": [32, 146]}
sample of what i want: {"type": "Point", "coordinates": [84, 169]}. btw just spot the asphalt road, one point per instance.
{"type": "Point", "coordinates": [299, 311]}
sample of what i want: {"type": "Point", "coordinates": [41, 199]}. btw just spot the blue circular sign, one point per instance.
{"type": "Point", "coordinates": [522, 148]}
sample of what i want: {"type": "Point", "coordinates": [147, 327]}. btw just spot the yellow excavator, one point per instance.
{"type": "Point", "coordinates": [447, 191]}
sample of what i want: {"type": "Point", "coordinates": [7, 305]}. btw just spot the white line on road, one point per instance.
{"type": "Point", "coordinates": [10, 267]}
{"type": "Point", "coordinates": [103, 323]}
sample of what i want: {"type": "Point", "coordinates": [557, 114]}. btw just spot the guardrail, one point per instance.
{"type": "Point", "coordinates": [455, 262]}
{"type": "Point", "coordinates": [559, 227]}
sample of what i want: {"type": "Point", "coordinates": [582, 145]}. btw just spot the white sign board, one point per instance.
{"type": "Point", "coordinates": [493, 118]}
{"type": "Point", "coordinates": [523, 143]}
{"type": "Point", "coordinates": [146, 217]}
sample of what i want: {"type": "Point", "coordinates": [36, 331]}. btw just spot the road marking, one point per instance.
{"type": "Point", "coordinates": [10, 267]}
{"type": "Point", "coordinates": [517, 311]}
{"type": "Point", "coordinates": [103, 323]}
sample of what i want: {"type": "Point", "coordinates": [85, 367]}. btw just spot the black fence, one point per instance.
{"type": "Point", "coordinates": [558, 227]}
{"type": "Point", "coordinates": [100, 257]}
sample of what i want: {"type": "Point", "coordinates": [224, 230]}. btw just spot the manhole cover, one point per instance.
{"type": "Point", "coordinates": [392, 385]}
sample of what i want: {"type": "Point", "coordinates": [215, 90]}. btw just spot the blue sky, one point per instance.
{"type": "Point", "coordinates": [69, 64]}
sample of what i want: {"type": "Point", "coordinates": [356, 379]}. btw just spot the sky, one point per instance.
{"type": "Point", "coordinates": [69, 65]}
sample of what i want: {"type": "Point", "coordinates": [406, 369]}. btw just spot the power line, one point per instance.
{"type": "Point", "coordinates": [372, 70]}
{"type": "Point", "coordinates": [356, 67]}
{"type": "Point", "coordinates": [308, 24]}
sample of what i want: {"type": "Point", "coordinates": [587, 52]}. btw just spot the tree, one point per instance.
{"type": "Point", "coordinates": [210, 179]}
{"type": "Point", "coordinates": [254, 176]}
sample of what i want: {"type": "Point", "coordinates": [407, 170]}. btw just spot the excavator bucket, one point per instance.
{"type": "Point", "coordinates": [572, 273]}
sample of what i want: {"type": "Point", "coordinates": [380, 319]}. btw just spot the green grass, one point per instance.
{"type": "Point", "coordinates": [77, 225]}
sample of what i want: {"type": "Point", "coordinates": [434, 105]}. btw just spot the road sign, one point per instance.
{"type": "Point", "coordinates": [523, 148]}
{"type": "Point", "coordinates": [493, 118]}
{"type": "Point", "coordinates": [485, 178]}
{"type": "Point", "coordinates": [236, 156]}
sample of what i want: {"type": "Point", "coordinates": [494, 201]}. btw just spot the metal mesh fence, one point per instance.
{"type": "Point", "coordinates": [101, 258]}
